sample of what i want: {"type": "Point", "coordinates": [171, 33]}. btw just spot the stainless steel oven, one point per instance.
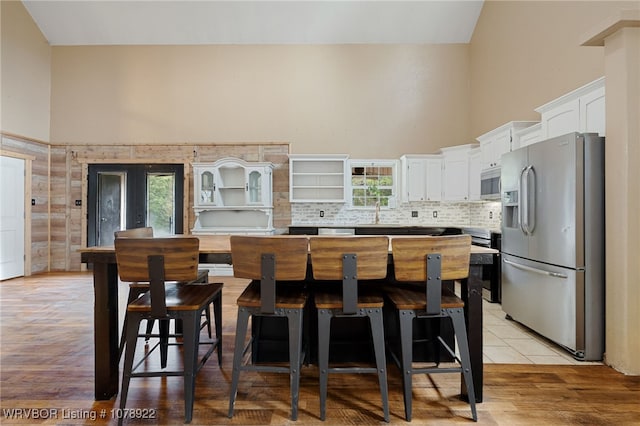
{"type": "Point", "coordinates": [491, 274]}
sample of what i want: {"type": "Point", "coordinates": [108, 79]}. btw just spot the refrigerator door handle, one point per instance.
{"type": "Point", "coordinates": [536, 270]}
{"type": "Point", "coordinates": [525, 216]}
{"type": "Point", "coordinates": [530, 175]}
{"type": "Point", "coordinates": [522, 205]}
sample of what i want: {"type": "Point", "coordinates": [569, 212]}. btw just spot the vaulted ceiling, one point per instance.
{"type": "Point", "coordinates": [92, 22]}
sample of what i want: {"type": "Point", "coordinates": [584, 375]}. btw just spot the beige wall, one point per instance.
{"type": "Point", "coordinates": [370, 101]}
{"type": "Point", "coordinates": [526, 53]}
{"type": "Point", "coordinates": [25, 74]}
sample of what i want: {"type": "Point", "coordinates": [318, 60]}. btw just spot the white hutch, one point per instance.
{"type": "Point", "coordinates": [232, 196]}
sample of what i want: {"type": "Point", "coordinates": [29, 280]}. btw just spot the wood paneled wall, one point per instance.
{"type": "Point", "coordinates": [59, 227]}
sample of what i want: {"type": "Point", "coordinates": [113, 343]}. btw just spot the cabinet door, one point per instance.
{"type": "Point", "coordinates": [592, 112]}
{"type": "Point", "coordinates": [501, 145]}
{"type": "Point", "coordinates": [434, 180]}
{"type": "Point", "coordinates": [486, 153]}
{"type": "Point", "coordinates": [475, 168]}
{"type": "Point", "coordinates": [455, 180]}
{"type": "Point", "coordinates": [527, 136]}
{"type": "Point", "coordinates": [416, 179]}
{"type": "Point", "coordinates": [205, 187]}
{"type": "Point", "coordinates": [561, 120]}
{"type": "Point", "coordinates": [258, 186]}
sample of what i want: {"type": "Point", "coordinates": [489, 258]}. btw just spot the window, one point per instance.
{"type": "Point", "coordinates": [373, 181]}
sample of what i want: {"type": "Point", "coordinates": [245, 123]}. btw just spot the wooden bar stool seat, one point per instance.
{"type": "Point", "coordinates": [420, 266]}
{"type": "Point", "coordinates": [277, 266]}
{"type": "Point", "coordinates": [137, 289]}
{"type": "Point", "coordinates": [349, 262]}
{"type": "Point", "coordinates": [166, 264]}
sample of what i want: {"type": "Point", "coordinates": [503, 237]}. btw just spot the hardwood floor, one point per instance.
{"type": "Point", "coordinates": [46, 363]}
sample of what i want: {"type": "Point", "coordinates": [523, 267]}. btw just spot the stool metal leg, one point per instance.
{"type": "Point", "coordinates": [241, 332]}
{"type": "Point", "coordinates": [324, 325]}
{"type": "Point", "coordinates": [294, 318]}
{"type": "Point", "coordinates": [377, 333]}
{"type": "Point", "coordinates": [457, 318]}
{"type": "Point", "coordinates": [163, 325]}
{"type": "Point", "coordinates": [406, 349]}
{"type": "Point", "coordinates": [133, 326]}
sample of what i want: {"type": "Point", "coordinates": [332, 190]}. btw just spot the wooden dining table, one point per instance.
{"type": "Point", "coordinates": [216, 249]}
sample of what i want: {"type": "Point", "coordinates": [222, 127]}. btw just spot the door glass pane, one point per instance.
{"type": "Point", "coordinates": [255, 187]}
{"type": "Point", "coordinates": [206, 188]}
{"type": "Point", "coordinates": [111, 206]}
{"type": "Point", "coordinates": [161, 203]}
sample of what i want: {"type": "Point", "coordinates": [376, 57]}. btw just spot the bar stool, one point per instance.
{"type": "Point", "coordinates": [159, 260]}
{"type": "Point", "coordinates": [137, 289]}
{"type": "Point", "coordinates": [348, 261]}
{"type": "Point", "coordinates": [277, 266]}
{"type": "Point", "coordinates": [420, 266]}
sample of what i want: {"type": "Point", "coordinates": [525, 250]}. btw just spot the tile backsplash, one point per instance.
{"type": "Point", "coordinates": [429, 213]}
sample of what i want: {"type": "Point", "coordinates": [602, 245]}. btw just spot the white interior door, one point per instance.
{"type": "Point", "coordinates": [11, 217]}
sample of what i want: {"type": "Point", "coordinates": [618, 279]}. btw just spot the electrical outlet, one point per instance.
{"type": "Point", "coordinates": [78, 203]}
{"type": "Point", "coordinates": [435, 213]}
{"type": "Point", "coordinates": [414, 213]}
{"type": "Point", "coordinates": [490, 215]}
{"type": "Point", "coordinates": [321, 213]}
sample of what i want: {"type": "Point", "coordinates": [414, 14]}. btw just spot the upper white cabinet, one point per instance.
{"type": "Point", "coordinates": [232, 196]}
{"type": "Point", "coordinates": [582, 110]}
{"type": "Point", "coordinates": [498, 141]}
{"type": "Point", "coordinates": [317, 178]}
{"type": "Point", "coordinates": [475, 169]}
{"type": "Point", "coordinates": [421, 177]}
{"type": "Point", "coordinates": [527, 136]}
{"type": "Point", "coordinates": [455, 172]}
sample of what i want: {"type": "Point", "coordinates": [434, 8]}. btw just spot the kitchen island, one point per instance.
{"type": "Point", "coordinates": [216, 249]}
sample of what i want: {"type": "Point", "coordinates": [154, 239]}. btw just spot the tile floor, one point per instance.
{"type": "Point", "coordinates": [508, 342]}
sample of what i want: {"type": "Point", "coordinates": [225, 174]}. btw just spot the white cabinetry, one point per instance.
{"type": "Point", "coordinates": [317, 178]}
{"type": "Point", "coordinates": [527, 136]}
{"type": "Point", "coordinates": [455, 172]}
{"type": "Point", "coordinates": [475, 169]}
{"type": "Point", "coordinates": [232, 196]}
{"type": "Point", "coordinates": [582, 110]}
{"type": "Point", "coordinates": [421, 177]}
{"type": "Point", "coordinates": [498, 141]}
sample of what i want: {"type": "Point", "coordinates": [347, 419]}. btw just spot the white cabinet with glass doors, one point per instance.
{"type": "Point", "coordinates": [233, 196]}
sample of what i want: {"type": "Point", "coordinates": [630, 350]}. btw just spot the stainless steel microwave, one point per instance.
{"type": "Point", "coordinates": [490, 184]}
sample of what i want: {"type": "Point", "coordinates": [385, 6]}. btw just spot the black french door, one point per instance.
{"type": "Point", "coordinates": [125, 196]}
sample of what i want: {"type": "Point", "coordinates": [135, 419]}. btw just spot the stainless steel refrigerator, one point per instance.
{"type": "Point", "coordinates": [553, 241]}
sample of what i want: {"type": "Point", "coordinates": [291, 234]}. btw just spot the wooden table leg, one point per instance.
{"type": "Point", "coordinates": [105, 283]}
